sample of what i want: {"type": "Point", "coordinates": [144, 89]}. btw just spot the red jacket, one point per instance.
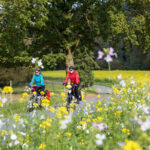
{"type": "Point", "coordinates": [74, 77]}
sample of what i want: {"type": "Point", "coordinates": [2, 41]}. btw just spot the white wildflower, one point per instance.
{"type": "Point", "coordinates": [13, 137]}
{"type": "Point", "coordinates": [119, 77]}
{"type": "Point", "coordinates": [4, 100]}
{"type": "Point", "coordinates": [16, 142]}
{"type": "Point", "coordinates": [122, 83]}
{"type": "Point", "coordinates": [33, 60]}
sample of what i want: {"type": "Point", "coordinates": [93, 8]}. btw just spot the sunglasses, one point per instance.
{"type": "Point", "coordinates": [36, 72]}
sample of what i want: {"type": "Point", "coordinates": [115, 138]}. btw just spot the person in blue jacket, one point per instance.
{"type": "Point", "coordinates": [39, 80]}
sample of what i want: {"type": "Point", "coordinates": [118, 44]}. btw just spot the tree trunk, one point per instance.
{"type": "Point", "coordinates": [69, 60]}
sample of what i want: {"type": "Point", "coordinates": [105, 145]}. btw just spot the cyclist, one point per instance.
{"type": "Point", "coordinates": [74, 78]}
{"type": "Point", "coordinates": [39, 80]}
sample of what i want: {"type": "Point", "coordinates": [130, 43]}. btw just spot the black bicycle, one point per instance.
{"type": "Point", "coordinates": [72, 94]}
{"type": "Point", "coordinates": [35, 99]}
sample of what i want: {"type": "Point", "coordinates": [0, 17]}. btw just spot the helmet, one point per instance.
{"type": "Point", "coordinates": [71, 67]}
{"type": "Point", "coordinates": [38, 69]}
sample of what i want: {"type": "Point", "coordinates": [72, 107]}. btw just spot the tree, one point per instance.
{"type": "Point", "coordinates": [85, 64]}
{"type": "Point", "coordinates": [16, 18]}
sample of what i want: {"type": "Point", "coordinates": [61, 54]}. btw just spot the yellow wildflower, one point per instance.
{"type": "Point", "coordinates": [99, 109]}
{"type": "Point", "coordinates": [45, 102]}
{"type": "Point", "coordinates": [116, 91]}
{"type": "Point", "coordinates": [42, 126]}
{"type": "Point", "coordinates": [127, 131]}
{"type": "Point", "coordinates": [131, 103]}
{"type": "Point", "coordinates": [4, 132]}
{"type": "Point", "coordinates": [99, 118]}
{"type": "Point", "coordinates": [58, 114]}
{"type": "Point", "coordinates": [25, 95]}
{"type": "Point", "coordinates": [46, 123]}
{"type": "Point", "coordinates": [52, 94]}
{"type": "Point", "coordinates": [142, 101]}
{"type": "Point", "coordinates": [69, 134]}
{"type": "Point", "coordinates": [42, 146]}
{"type": "Point", "coordinates": [62, 94]}
{"type": "Point", "coordinates": [89, 116]}
{"type": "Point", "coordinates": [114, 103]}
{"type": "Point", "coordinates": [16, 117]}
{"type": "Point", "coordinates": [34, 93]}
{"type": "Point", "coordinates": [58, 135]}
{"type": "Point", "coordinates": [72, 104]}
{"type": "Point", "coordinates": [35, 104]}
{"type": "Point", "coordinates": [7, 89]}
{"type": "Point", "coordinates": [81, 142]}
{"type": "Point", "coordinates": [27, 138]}
{"type": "Point", "coordinates": [98, 96]}
{"type": "Point", "coordinates": [63, 110]}
{"type": "Point", "coordinates": [117, 113]}
{"type": "Point", "coordinates": [83, 123]}
{"type": "Point", "coordinates": [124, 90]}
{"type": "Point", "coordinates": [131, 145]}
{"type": "Point", "coordinates": [52, 109]}
{"type": "Point", "coordinates": [99, 102]}
{"type": "Point", "coordinates": [71, 110]}
{"type": "Point", "coordinates": [21, 100]}
{"type": "Point", "coordinates": [42, 92]}
{"type": "Point", "coordinates": [88, 120]}
{"type": "Point", "coordinates": [82, 95]}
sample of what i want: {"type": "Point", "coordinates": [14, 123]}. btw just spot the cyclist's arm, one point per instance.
{"type": "Point", "coordinates": [42, 80]}
{"type": "Point", "coordinates": [32, 81]}
{"type": "Point", "coordinates": [77, 78]}
{"type": "Point", "coordinates": [67, 77]}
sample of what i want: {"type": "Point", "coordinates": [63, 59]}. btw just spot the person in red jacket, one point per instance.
{"type": "Point", "coordinates": [74, 79]}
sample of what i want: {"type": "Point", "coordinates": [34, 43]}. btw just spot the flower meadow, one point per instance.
{"type": "Point", "coordinates": [139, 76]}
{"type": "Point", "coordinates": [120, 123]}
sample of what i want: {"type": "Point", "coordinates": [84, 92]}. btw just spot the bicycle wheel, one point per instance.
{"type": "Point", "coordinates": [30, 104]}
{"type": "Point", "coordinates": [69, 98]}
{"type": "Point", "coordinates": [38, 99]}
{"type": "Point", "coordinates": [80, 96]}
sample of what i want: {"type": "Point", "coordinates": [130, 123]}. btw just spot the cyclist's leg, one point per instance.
{"type": "Point", "coordinates": [77, 93]}
{"type": "Point", "coordinates": [42, 88]}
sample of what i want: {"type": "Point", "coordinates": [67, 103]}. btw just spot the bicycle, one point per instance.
{"type": "Point", "coordinates": [36, 99]}
{"type": "Point", "coordinates": [72, 95]}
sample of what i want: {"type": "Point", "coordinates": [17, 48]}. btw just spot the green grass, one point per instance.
{"type": "Point", "coordinates": [90, 90]}
{"type": "Point", "coordinates": [101, 77]}
{"type": "Point", "coordinates": [12, 108]}
{"type": "Point", "coordinates": [15, 107]}
{"type": "Point", "coordinates": [53, 87]}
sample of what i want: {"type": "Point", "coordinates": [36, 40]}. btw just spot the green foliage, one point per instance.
{"type": "Point", "coordinates": [16, 22]}
{"type": "Point", "coordinates": [51, 61]}
{"type": "Point", "coordinates": [85, 65]}
{"type": "Point", "coordinates": [46, 28]}
{"type": "Point", "coordinates": [17, 75]}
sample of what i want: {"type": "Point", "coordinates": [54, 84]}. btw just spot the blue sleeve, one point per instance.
{"type": "Point", "coordinates": [42, 80]}
{"type": "Point", "coordinates": [32, 81]}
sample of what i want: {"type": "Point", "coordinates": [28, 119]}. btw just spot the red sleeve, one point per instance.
{"type": "Point", "coordinates": [67, 77]}
{"type": "Point", "coordinates": [77, 78]}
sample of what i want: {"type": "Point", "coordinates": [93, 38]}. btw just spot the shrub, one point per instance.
{"type": "Point", "coordinates": [18, 75]}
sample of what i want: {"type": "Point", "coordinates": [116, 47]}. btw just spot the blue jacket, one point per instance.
{"type": "Point", "coordinates": [38, 79]}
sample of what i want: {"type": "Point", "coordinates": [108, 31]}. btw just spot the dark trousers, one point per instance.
{"type": "Point", "coordinates": [39, 89]}
{"type": "Point", "coordinates": [76, 92]}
